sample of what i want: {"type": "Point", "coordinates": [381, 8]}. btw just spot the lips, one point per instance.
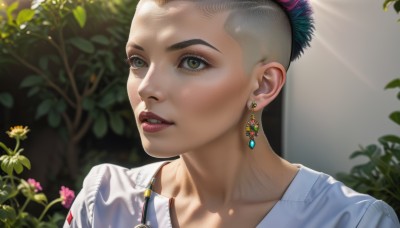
{"type": "Point", "coordinates": [152, 123]}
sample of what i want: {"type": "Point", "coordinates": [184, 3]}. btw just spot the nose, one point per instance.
{"type": "Point", "coordinates": [151, 88]}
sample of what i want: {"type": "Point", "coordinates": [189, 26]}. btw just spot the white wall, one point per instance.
{"type": "Point", "coordinates": [334, 98]}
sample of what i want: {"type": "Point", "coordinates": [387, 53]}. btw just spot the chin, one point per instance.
{"type": "Point", "coordinates": [160, 151]}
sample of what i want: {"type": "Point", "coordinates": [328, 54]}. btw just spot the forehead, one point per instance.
{"type": "Point", "coordinates": [176, 20]}
{"type": "Point", "coordinates": [175, 11]}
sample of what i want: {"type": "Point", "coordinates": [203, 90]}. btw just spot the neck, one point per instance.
{"type": "Point", "coordinates": [228, 171]}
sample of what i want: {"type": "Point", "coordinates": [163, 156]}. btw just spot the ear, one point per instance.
{"type": "Point", "coordinates": [270, 79]}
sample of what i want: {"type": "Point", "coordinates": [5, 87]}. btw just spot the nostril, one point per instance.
{"type": "Point", "coordinates": [153, 97]}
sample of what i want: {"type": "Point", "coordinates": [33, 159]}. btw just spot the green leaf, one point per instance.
{"type": "Point", "coordinates": [110, 64]}
{"type": "Point", "coordinates": [24, 161]}
{"type": "Point", "coordinates": [393, 84]}
{"type": "Point", "coordinates": [82, 44]}
{"type": "Point", "coordinates": [387, 3]}
{"type": "Point", "coordinates": [62, 77]}
{"type": "Point", "coordinates": [107, 100]}
{"type": "Point", "coordinates": [54, 119]}
{"type": "Point", "coordinates": [100, 39]}
{"type": "Point", "coordinates": [44, 63]}
{"type": "Point", "coordinates": [80, 15]}
{"type": "Point", "coordinates": [23, 184]}
{"type": "Point", "coordinates": [7, 212]}
{"type": "Point", "coordinates": [40, 198]}
{"type": "Point", "coordinates": [32, 80]}
{"type": "Point", "coordinates": [10, 11]}
{"type": "Point", "coordinates": [372, 150]}
{"type": "Point", "coordinates": [395, 116]}
{"type": "Point", "coordinates": [389, 139]}
{"type": "Point", "coordinates": [7, 165]}
{"type": "Point", "coordinates": [44, 108]}
{"type": "Point", "coordinates": [100, 126]}
{"type": "Point", "coordinates": [25, 15]}
{"type": "Point", "coordinates": [3, 157]}
{"type": "Point", "coordinates": [55, 59]}
{"type": "Point", "coordinates": [4, 35]}
{"type": "Point", "coordinates": [88, 103]}
{"type": "Point", "coordinates": [18, 167]}
{"type": "Point", "coordinates": [369, 151]}
{"type": "Point", "coordinates": [4, 163]}
{"type": "Point", "coordinates": [6, 100]}
{"type": "Point", "coordinates": [61, 106]}
{"type": "Point", "coordinates": [33, 91]}
{"type": "Point", "coordinates": [357, 154]}
{"type": "Point", "coordinates": [117, 124]}
{"type": "Point", "coordinates": [55, 219]}
{"type": "Point", "coordinates": [396, 6]}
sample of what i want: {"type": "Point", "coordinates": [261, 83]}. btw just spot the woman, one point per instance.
{"type": "Point", "coordinates": [201, 73]}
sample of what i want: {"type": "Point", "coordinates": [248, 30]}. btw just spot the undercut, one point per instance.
{"type": "Point", "coordinates": [264, 28]}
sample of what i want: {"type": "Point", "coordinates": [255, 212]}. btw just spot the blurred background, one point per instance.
{"type": "Point", "coordinates": [335, 98]}
{"type": "Point", "coordinates": [63, 74]}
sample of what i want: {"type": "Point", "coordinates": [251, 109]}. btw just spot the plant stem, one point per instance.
{"type": "Point", "coordinates": [24, 206]}
{"type": "Point", "coordinates": [50, 83]}
{"type": "Point", "coordinates": [5, 148]}
{"type": "Point", "coordinates": [16, 145]}
{"type": "Point", "coordinates": [48, 207]}
{"type": "Point", "coordinates": [12, 179]}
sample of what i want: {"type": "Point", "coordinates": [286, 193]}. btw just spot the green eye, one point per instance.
{"type": "Point", "coordinates": [136, 62]}
{"type": "Point", "coordinates": [193, 63]}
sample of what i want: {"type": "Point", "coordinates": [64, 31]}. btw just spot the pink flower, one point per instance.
{"type": "Point", "coordinates": [35, 184]}
{"type": "Point", "coordinates": [67, 196]}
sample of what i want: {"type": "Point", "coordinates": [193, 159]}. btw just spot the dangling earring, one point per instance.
{"type": "Point", "coordinates": [252, 126]}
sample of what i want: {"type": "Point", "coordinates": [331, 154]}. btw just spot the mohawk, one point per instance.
{"type": "Point", "coordinates": [302, 23]}
{"type": "Point", "coordinates": [299, 13]}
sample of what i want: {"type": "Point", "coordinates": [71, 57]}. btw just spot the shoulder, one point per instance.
{"type": "Point", "coordinates": [101, 176]}
{"type": "Point", "coordinates": [109, 190]}
{"type": "Point", "coordinates": [347, 206]}
{"type": "Point", "coordinates": [315, 199]}
{"type": "Point", "coordinates": [379, 214]}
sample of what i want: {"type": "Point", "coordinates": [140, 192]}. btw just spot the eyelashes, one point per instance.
{"type": "Point", "coordinates": [136, 62]}
{"type": "Point", "coordinates": [193, 63]}
{"type": "Point", "coordinates": [189, 62]}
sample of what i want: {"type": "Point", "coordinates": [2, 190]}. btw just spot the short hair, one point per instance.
{"type": "Point", "coordinates": [299, 13]}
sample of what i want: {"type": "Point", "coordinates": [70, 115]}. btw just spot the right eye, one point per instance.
{"type": "Point", "coordinates": [135, 62]}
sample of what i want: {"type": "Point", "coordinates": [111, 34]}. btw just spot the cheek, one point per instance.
{"type": "Point", "coordinates": [132, 87]}
{"type": "Point", "coordinates": [213, 97]}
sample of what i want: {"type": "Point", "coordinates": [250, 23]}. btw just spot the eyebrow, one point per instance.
{"type": "Point", "coordinates": [138, 47]}
{"type": "Point", "coordinates": [187, 43]}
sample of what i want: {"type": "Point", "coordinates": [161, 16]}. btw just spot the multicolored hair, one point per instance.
{"type": "Point", "coordinates": [299, 13]}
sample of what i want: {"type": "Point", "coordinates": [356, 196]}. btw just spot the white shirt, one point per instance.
{"type": "Point", "coordinates": [112, 196]}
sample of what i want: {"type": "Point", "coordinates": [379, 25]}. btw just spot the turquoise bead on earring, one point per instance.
{"type": "Point", "coordinates": [252, 127]}
{"type": "Point", "coordinates": [252, 143]}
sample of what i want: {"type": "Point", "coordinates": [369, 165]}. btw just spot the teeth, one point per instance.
{"type": "Point", "coordinates": [154, 121]}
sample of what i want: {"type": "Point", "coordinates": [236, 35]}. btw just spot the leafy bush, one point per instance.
{"type": "Point", "coordinates": [394, 3]}
{"type": "Point", "coordinates": [74, 50]}
{"type": "Point", "coordinates": [380, 176]}
{"type": "Point", "coordinates": [13, 188]}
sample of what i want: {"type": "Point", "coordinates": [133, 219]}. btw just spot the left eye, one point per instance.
{"type": "Point", "coordinates": [193, 63]}
{"type": "Point", "coordinates": [136, 62]}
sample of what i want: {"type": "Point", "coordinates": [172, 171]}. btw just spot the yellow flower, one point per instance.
{"type": "Point", "coordinates": [18, 132]}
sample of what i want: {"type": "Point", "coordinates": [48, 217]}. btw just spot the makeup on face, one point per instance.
{"type": "Point", "coordinates": [188, 84]}
{"type": "Point", "coordinates": [152, 123]}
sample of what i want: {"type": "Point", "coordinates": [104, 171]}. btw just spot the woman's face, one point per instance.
{"type": "Point", "coordinates": [186, 69]}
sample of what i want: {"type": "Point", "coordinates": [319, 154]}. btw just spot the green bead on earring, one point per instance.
{"type": "Point", "coordinates": [252, 127]}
